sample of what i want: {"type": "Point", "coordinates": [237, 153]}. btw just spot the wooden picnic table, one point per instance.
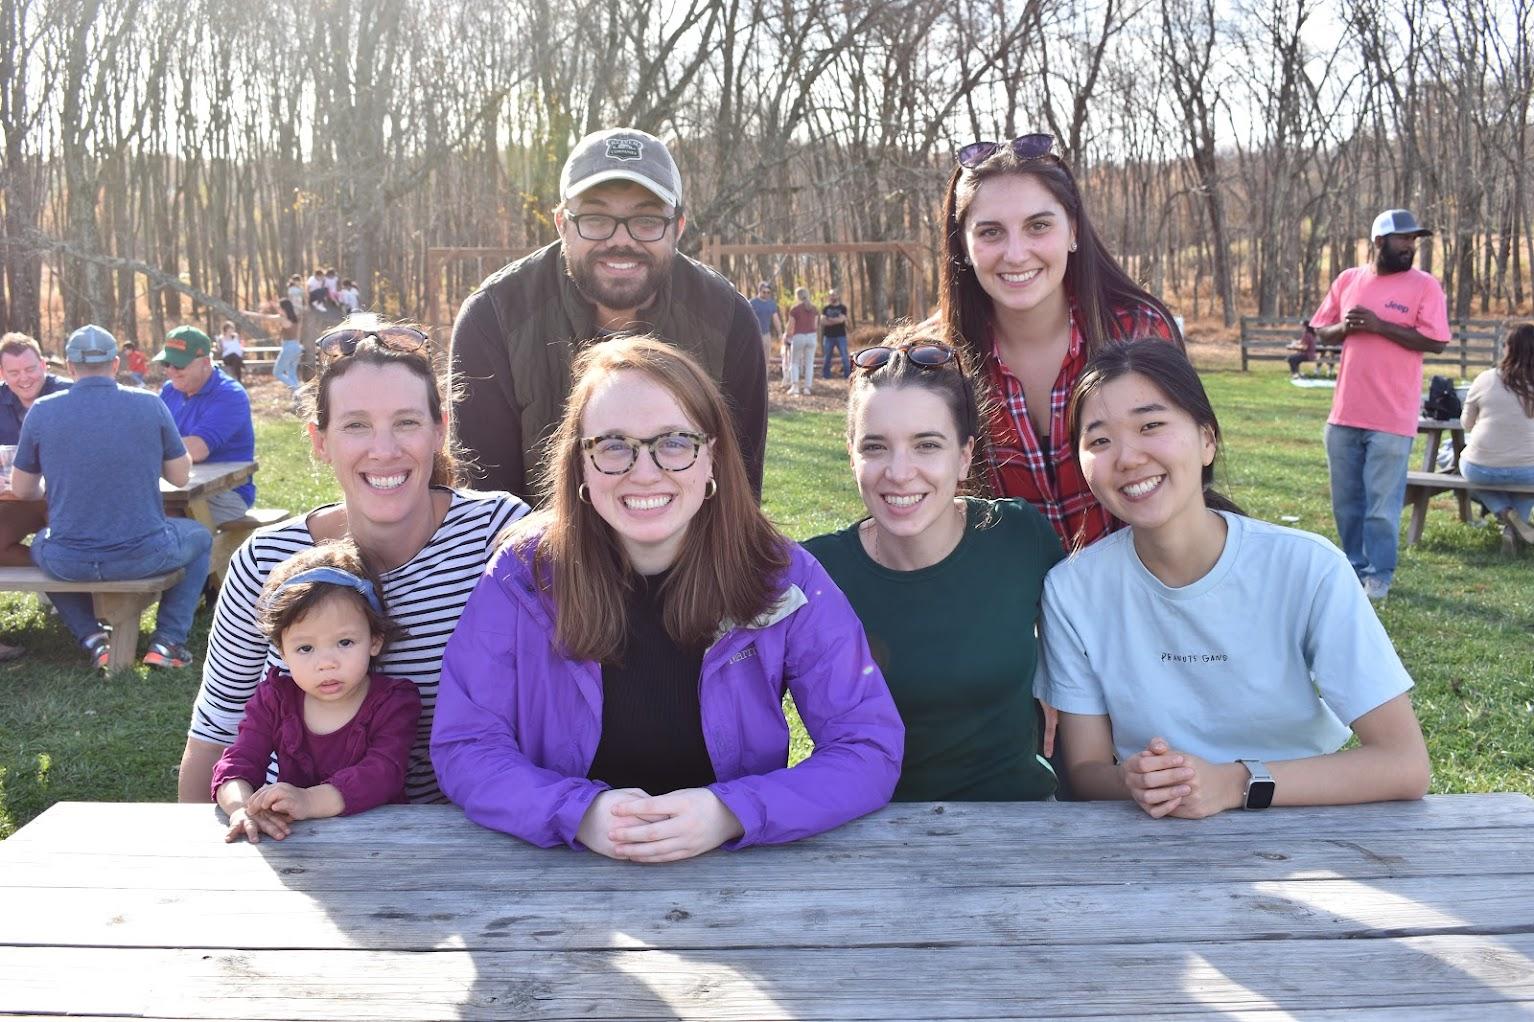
{"type": "Point", "coordinates": [920, 911]}
{"type": "Point", "coordinates": [1433, 430]}
{"type": "Point", "coordinates": [207, 479]}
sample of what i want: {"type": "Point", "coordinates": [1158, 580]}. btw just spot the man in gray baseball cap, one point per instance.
{"type": "Point", "coordinates": [614, 270]}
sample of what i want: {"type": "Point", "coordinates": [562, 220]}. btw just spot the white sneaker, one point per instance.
{"type": "Point", "coordinates": [1376, 590]}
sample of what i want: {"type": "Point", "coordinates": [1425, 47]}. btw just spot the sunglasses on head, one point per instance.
{"type": "Point", "coordinates": [1025, 147]}
{"type": "Point", "coordinates": [925, 354]}
{"type": "Point", "coordinates": [345, 341]}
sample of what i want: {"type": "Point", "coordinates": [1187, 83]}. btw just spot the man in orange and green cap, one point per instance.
{"type": "Point", "coordinates": [212, 413]}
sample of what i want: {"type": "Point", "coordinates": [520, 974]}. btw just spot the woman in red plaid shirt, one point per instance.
{"type": "Point", "coordinates": [1028, 294]}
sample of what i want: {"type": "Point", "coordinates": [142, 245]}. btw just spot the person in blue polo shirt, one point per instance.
{"type": "Point", "coordinates": [102, 449]}
{"type": "Point", "coordinates": [26, 378]}
{"type": "Point", "coordinates": [212, 413]}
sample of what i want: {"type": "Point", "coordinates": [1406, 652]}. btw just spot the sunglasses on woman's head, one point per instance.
{"type": "Point", "coordinates": [1025, 147]}
{"type": "Point", "coordinates": [343, 342]}
{"type": "Point", "coordinates": [926, 354]}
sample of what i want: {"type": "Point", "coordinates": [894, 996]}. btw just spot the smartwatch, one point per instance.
{"type": "Point", "coordinates": [1260, 786]}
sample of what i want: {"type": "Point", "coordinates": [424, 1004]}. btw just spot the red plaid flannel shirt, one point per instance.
{"type": "Point", "coordinates": [1015, 460]}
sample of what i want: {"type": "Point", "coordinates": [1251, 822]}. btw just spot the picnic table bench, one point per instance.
{"type": "Point", "coordinates": [1416, 910]}
{"type": "Point", "coordinates": [191, 501]}
{"type": "Point", "coordinates": [1473, 342]}
{"type": "Point", "coordinates": [118, 604]}
{"type": "Point", "coordinates": [121, 603]}
{"type": "Point", "coordinates": [1268, 340]}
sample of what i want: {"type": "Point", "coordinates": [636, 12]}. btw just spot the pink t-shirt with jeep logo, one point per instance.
{"type": "Point", "coordinates": [1379, 383]}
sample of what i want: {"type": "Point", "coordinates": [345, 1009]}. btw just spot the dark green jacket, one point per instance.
{"type": "Point", "coordinates": [516, 336]}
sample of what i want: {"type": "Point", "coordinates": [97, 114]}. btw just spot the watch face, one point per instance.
{"type": "Point", "coordinates": [1259, 794]}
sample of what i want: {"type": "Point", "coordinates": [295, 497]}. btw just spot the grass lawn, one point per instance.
{"type": "Point", "coordinates": [1461, 614]}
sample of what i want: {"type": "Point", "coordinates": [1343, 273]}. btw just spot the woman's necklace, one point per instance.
{"type": "Point", "coordinates": [873, 540]}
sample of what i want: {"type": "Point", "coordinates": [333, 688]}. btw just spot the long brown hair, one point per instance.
{"type": "Point", "coordinates": [429, 366]}
{"type": "Point", "coordinates": [1093, 278]}
{"type": "Point", "coordinates": [1516, 370]}
{"type": "Point", "coordinates": [731, 556]}
{"type": "Point", "coordinates": [1172, 373]}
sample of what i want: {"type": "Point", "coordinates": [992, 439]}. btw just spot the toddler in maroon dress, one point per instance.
{"type": "Point", "coordinates": [342, 735]}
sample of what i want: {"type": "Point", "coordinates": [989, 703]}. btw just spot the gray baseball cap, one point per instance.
{"type": "Point", "coordinates": [90, 345]}
{"type": "Point", "coordinates": [622, 154]}
{"type": "Point", "coordinates": [1397, 221]}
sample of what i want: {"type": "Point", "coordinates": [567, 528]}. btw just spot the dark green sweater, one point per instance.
{"type": "Point", "coordinates": [957, 646]}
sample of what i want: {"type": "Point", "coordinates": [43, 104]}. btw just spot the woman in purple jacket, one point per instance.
{"type": "Point", "coordinates": [617, 678]}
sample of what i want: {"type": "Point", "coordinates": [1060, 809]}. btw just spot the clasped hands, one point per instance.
{"type": "Point", "coordinates": [271, 810]}
{"type": "Point", "coordinates": [1359, 319]}
{"type": "Point", "coordinates": [1165, 782]}
{"type": "Point", "coordinates": [629, 823]}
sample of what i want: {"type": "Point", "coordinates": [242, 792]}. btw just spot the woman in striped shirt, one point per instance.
{"type": "Point", "coordinates": [379, 424]}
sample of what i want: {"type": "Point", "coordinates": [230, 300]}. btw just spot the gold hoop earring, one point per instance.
{"type": "Point", "coordinates": [710, 488]}
{"type": "Point", "coordinates": [583, 493]}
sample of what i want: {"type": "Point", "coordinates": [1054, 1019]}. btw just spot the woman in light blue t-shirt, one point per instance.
{"type": "Point", "coordinates": [1202, 660]}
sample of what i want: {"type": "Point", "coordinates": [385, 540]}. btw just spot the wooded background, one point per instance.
{"type": "Point", "coordinates": [175, 160]}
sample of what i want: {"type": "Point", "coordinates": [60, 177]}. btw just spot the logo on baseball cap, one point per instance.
{"type": "Point", "coordinates": [1397, 221]}
{"type": "Point", "coordinates": [183, 346]}
{"type": "Point", "coordinates": [622, 154]}
{"type": "Point", "coordinates": [90, 345]}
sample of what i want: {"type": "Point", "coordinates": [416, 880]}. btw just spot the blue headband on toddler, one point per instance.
{"type": "Point", "coordinates": [339, 577]}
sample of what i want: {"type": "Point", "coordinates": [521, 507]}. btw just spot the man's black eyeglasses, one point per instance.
{"type": "Point", "coordinates": [342, 342]}
{"type": "Point", "coordinates": [927, 355]}
{"type": "Point", "coordinates": [601, 226]}
{"type": "Point", "coordinates": [1025, 147]}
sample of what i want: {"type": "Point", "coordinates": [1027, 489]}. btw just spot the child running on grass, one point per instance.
{"type": "Point", "coordinates": [341, 734]}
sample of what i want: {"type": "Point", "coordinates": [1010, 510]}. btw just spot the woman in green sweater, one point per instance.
{"type": "Point", "coordinates": [947, 586]}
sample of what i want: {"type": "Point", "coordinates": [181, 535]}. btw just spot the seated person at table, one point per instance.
{"type": "Point", "coordinates": [1499, 423]}
{"type": "Point", "coordinates": [616, 681]}
{"type": "Point", "coordinates": [341, 732]}
{"type": "Point", "coordinates": [26, 379]}
{"type": "Point", "coordinates": [378, 422]}
{"type": "Point", "coordinates": [231, 350]}
{"type": "Point", "coordinates": [102, 448]}
{"type": "Point", "coordinates": [946, 586]}
{"type": "Point", "coordinates": [1199, 651]}
{"type": "Point", "coordinates": [137, 362]}
{"type": "Point", "coordinates": [212, 412]}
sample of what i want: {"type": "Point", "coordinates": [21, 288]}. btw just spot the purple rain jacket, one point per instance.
{"type": "Point", "coordinates": [517, 723]}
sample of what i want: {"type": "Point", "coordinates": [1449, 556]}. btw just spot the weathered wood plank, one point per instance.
{"type": "Point", "coordinates": [681, 919]}
{"type": "Point", "coordinates": [1186, 857]}
{"type": "Point", "coordinates": [966, 983]}
{"type": "Point", "coordinates": [1480, 1012]}
{"type": "Point", "coordinates": [158, 825]}
{"type": "Point", "coordinates": [322, 859]}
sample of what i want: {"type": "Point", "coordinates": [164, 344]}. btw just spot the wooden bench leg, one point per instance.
{"type": "Point", "coordinates": [1464, 505]}
{"type": "Point", "coordinates": [122, 611]}
{"type": "Point", "coordinates": [1418, 497]}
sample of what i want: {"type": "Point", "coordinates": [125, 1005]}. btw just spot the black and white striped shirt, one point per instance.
{"type": "Point", "coordinates": [425, 596]}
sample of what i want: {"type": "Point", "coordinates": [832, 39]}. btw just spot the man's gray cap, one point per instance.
{"type": "Point", "coordinates": [90, 345]}
{"type": "Point", "coordinates": [622, 154]}
{"type": "Point", "coordinates": [1397, 221]}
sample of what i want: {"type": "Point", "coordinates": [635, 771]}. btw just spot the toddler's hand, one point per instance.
{"type": "Point", "coordinates": [286, 799]}
{"type": "Point", "coordinates": [252, 824]}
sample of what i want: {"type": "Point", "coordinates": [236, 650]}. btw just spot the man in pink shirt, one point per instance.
{"type": "Point", "coordinates": [1384, 316]}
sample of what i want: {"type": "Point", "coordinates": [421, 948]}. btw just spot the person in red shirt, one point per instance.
{"type": "Point", "coordinates": [1028, 293]}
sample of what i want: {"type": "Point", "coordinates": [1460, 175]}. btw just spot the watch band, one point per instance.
{"type": "Point", "coordinates": [1260, 785]}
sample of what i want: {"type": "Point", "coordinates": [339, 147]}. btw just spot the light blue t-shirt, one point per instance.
{"type": "Point", "coordinates": [1269, 656]}
{"type": "Point", "coordinates": [100, 449]}
{"type": "Point", "coordinates": [765, 309]}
